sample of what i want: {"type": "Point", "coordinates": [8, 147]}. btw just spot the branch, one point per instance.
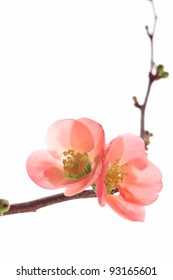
{"type": "Point", "coordinates": [34, 205]}
{"type": "Point", "coordinates": [152, 35]}
{"type": "Point", "coordinates": [151, 76]}
{"type": "Point", "coordinates": [143, 133]}
{"type": "Point", "coordinates": [160, 73]}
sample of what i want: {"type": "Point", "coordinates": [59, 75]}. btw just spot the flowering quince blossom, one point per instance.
{"type": "Point", "coordinates": [128, 180]}
{"type": "Point", "coordinates": [73, 159]}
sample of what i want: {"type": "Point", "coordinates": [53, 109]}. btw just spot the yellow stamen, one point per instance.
{"type": "Point", "coordinates": [114, 177]}
{"type": "Point", "coordinates": [76, 165]}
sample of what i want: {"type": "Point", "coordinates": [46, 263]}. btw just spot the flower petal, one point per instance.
{"type": "Point", "coordinates": [98, 136]}
{"type": "Point", "coordinates": [58, 135]}
{"type": "Point", "coordinates": [134, 148]}
{"type": "Point", "coordinates": [70, 134]}
{"type": "Point", "coordinates": [56, 177]}
{"type": "Point", "coordinates": [126, 147]}
{"type": "Point", "coordinates": [81, 137]}
{"type": "Point", "coordinates": [126, 209]}
{"type": "Point", "coordinates": [77, 187]}
{"type": "Point", "coordinates": [100, 186]}
{"type": "Point", "coordinates": [114, 150]}
{"type": "Point", "coordinates": [145, 188]}
{"type": "Point", "coordinates": [37, 164]}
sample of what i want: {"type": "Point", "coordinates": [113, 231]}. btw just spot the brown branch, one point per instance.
{"type": "Point", "coordinates": [34, 205]}
{"type": "Point", "coordinates": [151, 76]}
{"type": "Point", "coordinates": [142, 107]}
{"type": "Point", "coordinates": [151, 36]}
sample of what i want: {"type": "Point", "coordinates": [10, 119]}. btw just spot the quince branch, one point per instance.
{"type": "Point", "coordinates": [155, 73]}
{"type": "Point", "coordinates": [34, 205]}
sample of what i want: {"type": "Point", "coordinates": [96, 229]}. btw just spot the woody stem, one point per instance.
{"type": "Point", "coordinates": [34, 205]}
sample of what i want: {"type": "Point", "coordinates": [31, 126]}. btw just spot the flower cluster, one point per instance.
{"type": "Point", "coordinates": [78, 157]}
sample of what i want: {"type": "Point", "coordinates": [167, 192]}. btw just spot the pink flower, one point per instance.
{"type": "Point", "coordinates": [73, 159]}
{"type": "Point", "coordinates": [128, 180]}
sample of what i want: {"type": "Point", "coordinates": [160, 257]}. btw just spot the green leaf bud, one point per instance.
{"type": "Point", "coordinates": [4, 206]}
{"type": "Point", "coordinates": [165, 74]}
{"type": "Point", "coordinates": [160, 69]}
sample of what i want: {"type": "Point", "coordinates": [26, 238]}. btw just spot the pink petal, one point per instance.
{"type": "Point", "coordinates": [56, 177]}
{"type": "Point", "coordinates": [81, 137]}
{"type": "Point", "coordinates": [140, 196]}
{"type": "Point", "coordinates": [144, 189]}
{"type": "Point", "coordinates": [38, 163]}
{"type": "Point", "coordinates": [126, 209]}
{"type": "Point", "coordinates": [126, 147]}
{"type": "Point", "coordinates": [70, 134]}
{"type": "Point", "coordinates": [100, 186]}
{"type": "Point", "coordinates": [98, 136]}
{"type": "Point", "coordinates": [114, 150]}
{"type": "Point", "coordinates": [134, 148]}
{"type": "Point", "coordinates": [58, 135]}
{"type": "Point", "coordinates": [77, 187]}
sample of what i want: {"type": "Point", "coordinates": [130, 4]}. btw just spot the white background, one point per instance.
{"type": "Point", "coordinates": [72, 59]}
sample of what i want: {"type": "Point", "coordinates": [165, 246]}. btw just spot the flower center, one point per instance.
{"type": "Point", "coordinates": [76, 165]}
{"type": "Point", "coordinates": [114, 177]}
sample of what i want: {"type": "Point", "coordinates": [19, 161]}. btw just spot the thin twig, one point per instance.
{"type": "Point", "coordinates": [152, 35]}
{"type": "Point", "coordinates": [34, 205]}
{"type": "Point", "coordinates": [150, 79]}
{"type": "Point", "coordinates": [143, 133]}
